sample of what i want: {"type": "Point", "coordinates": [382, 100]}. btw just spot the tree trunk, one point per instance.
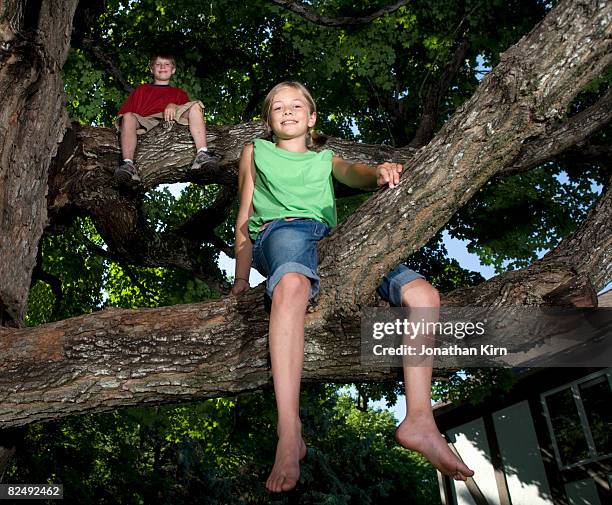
{"type": "Point", "coordinates": [33, 117]}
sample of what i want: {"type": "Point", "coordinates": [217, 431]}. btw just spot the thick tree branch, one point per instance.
{"type": "Point", "coordinates": [560, 138]}
{"type": "Point", "coordinates": [51, 280]}
{"type": "Point", "coordinates": [337, 22]}
{"type": "Point", "coordinates": [82, 183]}
{"type": "Point", "coordinates": [200, 226]}
{"type": "Point", "coordinates": [586, 152]}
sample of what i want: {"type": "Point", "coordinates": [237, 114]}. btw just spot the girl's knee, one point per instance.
{"type": "Point", "coordinates": [419, 293]}
{"type": "Point", "coordinates": [292, 285]}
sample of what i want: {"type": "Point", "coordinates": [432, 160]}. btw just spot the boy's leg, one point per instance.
{"type": "Point", "coordinates": [126, 172]}
{"type": "Point", "coordinates": [129, 125]}
{"type": "Point", "coordinates": [418, 431]}
{"type": "Point", "coordinates": [286, 336]}
{"type": "Point", "coordinates": [197, 127]}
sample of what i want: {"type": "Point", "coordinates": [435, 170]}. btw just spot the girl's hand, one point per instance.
{"type": "Point", "coordinates": [240, 286]}
{"type": "Point", "coordinates": [388, 173]}
{"type": "Point", "coordinates": [170, 111]}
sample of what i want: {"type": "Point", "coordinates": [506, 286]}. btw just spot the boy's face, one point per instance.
{"type": "Point", "coordinates": [162, 69]}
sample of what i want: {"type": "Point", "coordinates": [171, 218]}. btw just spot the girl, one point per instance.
{"type": "Point", "coordinates": [286, 206]}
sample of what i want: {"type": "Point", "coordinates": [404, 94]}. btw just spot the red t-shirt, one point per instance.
{"type": "Point", "coordinates": [148, 99]}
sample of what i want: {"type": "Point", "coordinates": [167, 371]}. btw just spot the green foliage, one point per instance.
{"type": "Point", "coordinates": [79, 271]}
{"type": "Point", "coordinates": [509, 222]}
{"type": "Point", "coordinates": [474, 385]}
{"type": "Point", "coordinates": [223, 449]}
{"type": "Point", "coordinates": [90, 101]}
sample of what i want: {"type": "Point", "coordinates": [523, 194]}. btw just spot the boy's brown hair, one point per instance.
{"type": "Point", "coordinates": [165, 56]}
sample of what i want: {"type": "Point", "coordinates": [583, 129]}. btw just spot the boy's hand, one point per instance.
{"type": "Point", "coordinates": [170, 112]}
{"type": "Point", "coordinates": [388, 173]}
{"type": "Point", "coordinates": [240, 286]}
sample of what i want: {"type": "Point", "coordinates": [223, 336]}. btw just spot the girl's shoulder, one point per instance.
{"type": "Point", "coordinates": [262, 143]}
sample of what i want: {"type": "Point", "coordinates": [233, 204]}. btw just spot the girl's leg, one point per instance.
{"type": "Point", "coordinates": [286, 335]}
{"type": "Point", "coordinates": [418, 431]}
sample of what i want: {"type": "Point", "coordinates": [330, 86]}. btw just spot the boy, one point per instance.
{"type": "Point", "coordinates": [149, 104]}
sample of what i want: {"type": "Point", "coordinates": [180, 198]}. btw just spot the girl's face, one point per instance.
{"type": "Point", "coordinates": [290, 115]}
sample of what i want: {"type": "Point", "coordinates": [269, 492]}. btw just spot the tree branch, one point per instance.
{"type": "Point", "coordinates": [586, 152]}
{"type": "Point", "coordinates": [575, 270]}
{"type": "Point", "coordinates": [106, 63]}
{"type": "Point", "coordinates": [337, 22]}
{"type": "Point", "coordinates": [200, 226]}
{"type": "Point", "coordinates": [559, 139]}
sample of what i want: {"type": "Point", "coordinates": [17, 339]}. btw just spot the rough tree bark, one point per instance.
{"type": "Point", "coordinates": [34, 44]}
{"type": "Point", "coordinates": [124, 357]}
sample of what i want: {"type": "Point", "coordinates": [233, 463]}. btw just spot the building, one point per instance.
{"type": "Point", "coordinates": [546, 442]}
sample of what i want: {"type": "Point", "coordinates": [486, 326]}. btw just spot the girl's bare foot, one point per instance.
{"type": "Point", "coordinates": [286, 470]}
{"type": "Point", "coordinates": [421, 434]}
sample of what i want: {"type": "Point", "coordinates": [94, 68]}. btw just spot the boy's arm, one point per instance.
{"type": "Point", "coordinates": [180, 97]}
{"type": "Point", "coordinates": [360, 175]}
{"type": "Point", "coordinates": [243, 246]}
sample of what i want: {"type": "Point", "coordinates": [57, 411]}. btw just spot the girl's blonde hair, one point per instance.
{"type": "Point", "coordinates": [267, 104]}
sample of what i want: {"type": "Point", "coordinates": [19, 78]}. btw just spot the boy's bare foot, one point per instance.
{"type": "Point", "coordinates": [286, 470]}
{"type": "Point", "coordinates": [421, 434]}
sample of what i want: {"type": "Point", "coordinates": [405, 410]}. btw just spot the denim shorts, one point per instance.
{"type": "Point", "coordinates": [390, 288]}
{"type": "Point", "coordinates": [291, 246]}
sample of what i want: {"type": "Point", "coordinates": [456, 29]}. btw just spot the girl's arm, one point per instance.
{"type": "Point", "coordinates": [243, 246]}
{"type": "Point", "coordinates": [360, 175]}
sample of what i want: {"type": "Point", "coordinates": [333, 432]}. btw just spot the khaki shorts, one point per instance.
{"type": "Point", "coordinates": [148, 122]}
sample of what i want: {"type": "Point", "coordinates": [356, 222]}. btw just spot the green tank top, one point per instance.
{"type": "Point", "coordinates": [289, 184]}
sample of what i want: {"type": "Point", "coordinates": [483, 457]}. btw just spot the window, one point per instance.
{"type": "Point", "coordinates": [579, 417]}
